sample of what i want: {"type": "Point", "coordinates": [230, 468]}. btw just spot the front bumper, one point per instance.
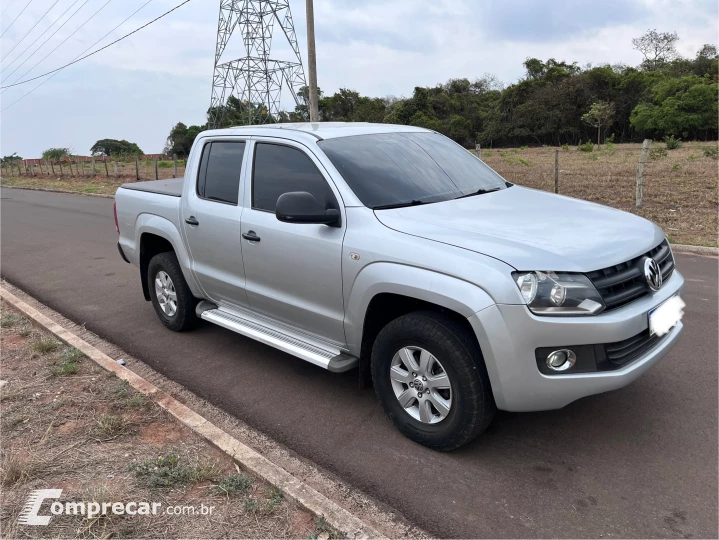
{"type": "Point", "coordinates": [510, 334]}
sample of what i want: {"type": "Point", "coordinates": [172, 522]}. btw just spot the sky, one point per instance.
{"type": "Point", "coordinates": [139, 88]}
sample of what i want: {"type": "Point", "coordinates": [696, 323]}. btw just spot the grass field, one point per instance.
{"type": "Point", "coordinates": [680, 186]}
{"type": "Point", "coordinates": [68, 424]}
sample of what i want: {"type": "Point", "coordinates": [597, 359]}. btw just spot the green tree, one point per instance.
{"type": "Point", "coordinates": [55, 153]}
{"type": "Point", "coordinates": [600, 115]}
{"type": "Point", "coordinates": [11, 159]}
{"type": "Point", "coordinates": [684, 107]}
{"type": "Point", "coordinates": [113, 147]}
{"type": "Point", "coordinates": [181, 138]}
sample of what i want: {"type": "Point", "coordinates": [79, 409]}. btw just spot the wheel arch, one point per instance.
{"type": "Point", "coordinates": [159, 235]}
{"type": "Point", "coordinates": [384, 291]}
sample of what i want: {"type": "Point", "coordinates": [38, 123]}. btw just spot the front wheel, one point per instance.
{"type": "Point", "coordinates": [430, 378]}
{"type": "Point", "coordinates": [171, 297]}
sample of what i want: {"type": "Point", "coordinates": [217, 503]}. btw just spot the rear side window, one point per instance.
{"type": "Point", "coordinates": [220, 169]}
{"type": "Point", "coordinates": [282, 169]}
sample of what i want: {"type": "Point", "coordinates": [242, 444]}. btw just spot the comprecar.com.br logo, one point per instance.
{"type": "Point", "coordinates": [30, 513]}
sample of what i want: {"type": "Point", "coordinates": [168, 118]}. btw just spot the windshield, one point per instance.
{"type": "Point", "coordinates": [397, 169]}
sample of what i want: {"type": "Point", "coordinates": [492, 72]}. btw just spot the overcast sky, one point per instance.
{"type": "Point", "coordinates": [138, 89]}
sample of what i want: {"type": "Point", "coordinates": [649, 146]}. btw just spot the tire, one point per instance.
{"type": "Point", "coordinates": [469, 392]}
{"type": "Point", "coordinates": [180, 316]}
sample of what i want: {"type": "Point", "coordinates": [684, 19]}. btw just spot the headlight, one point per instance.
{"type": "Point", "coordinates": [558, 293]}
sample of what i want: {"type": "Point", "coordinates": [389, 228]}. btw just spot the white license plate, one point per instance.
{"type": "Point", "coordinates": [665, 317]}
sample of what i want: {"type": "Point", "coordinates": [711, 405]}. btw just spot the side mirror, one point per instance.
{"type": "Point", "coordinates": [302, 207]}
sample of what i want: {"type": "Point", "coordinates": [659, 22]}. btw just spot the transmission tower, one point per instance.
{"type": "Point", "coordinates": [255, 79]}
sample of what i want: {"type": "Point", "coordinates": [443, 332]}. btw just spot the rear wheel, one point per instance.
{"type": "Point", "coordinates": [431, 380]}
{"type": "Point", "coordinates": [171, 297]}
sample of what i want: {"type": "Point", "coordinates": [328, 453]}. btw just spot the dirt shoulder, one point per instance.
{"type": "Point", "coordinates": [69, 425]}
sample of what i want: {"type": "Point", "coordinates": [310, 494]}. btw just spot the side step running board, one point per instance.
{"type": "Point", "coordinates": [320, 354]}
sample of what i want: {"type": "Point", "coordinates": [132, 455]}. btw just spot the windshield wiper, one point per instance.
{"type": "Point", "coordinates": [480, 191]}
{"type": "Point", "coordinates": [414, 202]}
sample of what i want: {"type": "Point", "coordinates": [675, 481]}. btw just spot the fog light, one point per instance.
{"type": "Point", "coordinates": [561, 360]}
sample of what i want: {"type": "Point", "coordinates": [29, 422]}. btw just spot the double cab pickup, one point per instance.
{"type": "Point", "coordinates": [394, 251]}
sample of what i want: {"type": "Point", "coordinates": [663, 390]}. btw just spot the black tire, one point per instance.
{"type": "Point", "coordinates": [184, 318]}
{"type": "Point", "coordinates": [473, 404]}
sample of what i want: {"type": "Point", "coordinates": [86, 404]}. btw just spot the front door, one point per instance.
{"type": "Point", "coordinates": [211, 215]}
{"type": "Point", "coordinates": [293, 271]}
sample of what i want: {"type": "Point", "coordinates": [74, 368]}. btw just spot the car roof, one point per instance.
{"type": "Point", "coordinates": [319, 130]}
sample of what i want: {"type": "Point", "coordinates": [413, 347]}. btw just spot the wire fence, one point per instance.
{"type": "Point", "coordinates": [138, 168]}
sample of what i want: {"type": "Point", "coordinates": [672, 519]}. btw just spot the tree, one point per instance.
{"type": "Point", "coordinates": [54, 154]}
{"type": "Point", "coordinates": [656, 47]}
{"type": "Point", "coordinates": [180, 139]}
{"type": "Point", "coordinates": [11, 159]}
{"type": "Point", "coordinates": [601, 114]}
{"type": "Point", "coordinates": [113, 147]}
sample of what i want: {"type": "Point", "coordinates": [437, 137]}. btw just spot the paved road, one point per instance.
{"type": "Point", "coordinates": [638, 462]}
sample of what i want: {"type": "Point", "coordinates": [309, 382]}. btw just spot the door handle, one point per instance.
{"type": "Point", "coordinates": [192, 221]}
{"type": "Point", "coordinates": [251, 236]}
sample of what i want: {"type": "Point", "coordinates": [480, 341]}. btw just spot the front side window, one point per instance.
{"type": "Point", "coordinates": [220, 170]}
{"type": "Point", "coordinates": [393, 169]}
{"type": "Point", "coordinates": [281, 169]}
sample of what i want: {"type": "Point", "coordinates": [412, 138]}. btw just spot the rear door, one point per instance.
{"type": "Point", "coordinates": [211, 214]}
{"type": "Point", "coordinates": [294, 270]}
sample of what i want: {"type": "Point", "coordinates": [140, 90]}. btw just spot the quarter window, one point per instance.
{"type": "Point", "coordinates": [220, 170]}
{"type": "Point", "coordinates": [281, 169]}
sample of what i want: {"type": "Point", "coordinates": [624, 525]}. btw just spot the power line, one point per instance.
{"type": "Point", "coordinates": [56, 71]}
{"type": "Point", "coordinates": [45, 32]}
{"type": "Point", "coordinates": [31, 29]}
{"type": "Point", "coordinates": [10, 3]}
{"type": "Point", "coordinates": [15, 19]}
{"type": "Point", "coordinates": [60, 45]}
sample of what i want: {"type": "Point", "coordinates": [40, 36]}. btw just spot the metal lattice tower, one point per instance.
{"type": "Point", "coordinates": [254, 79]}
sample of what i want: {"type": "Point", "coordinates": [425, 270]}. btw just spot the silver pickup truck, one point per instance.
{"type": "Point", "coordinates": [393, 250]}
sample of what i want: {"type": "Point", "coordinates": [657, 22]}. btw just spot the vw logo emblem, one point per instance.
{"type": "Point", "coordinates": [652, 273]}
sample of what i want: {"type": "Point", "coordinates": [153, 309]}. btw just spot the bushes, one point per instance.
{"type": "Point", "coordinates": [711, 152]}
{"type": "Point", "coordinates": [586, 147]}
{"type": "Point", "coordinates": [673, 143]}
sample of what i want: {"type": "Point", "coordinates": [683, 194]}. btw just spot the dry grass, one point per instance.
{"type": "Point", "coordinates": [680, 189]}
{"type": "Point", "coordinates": [88, 434]}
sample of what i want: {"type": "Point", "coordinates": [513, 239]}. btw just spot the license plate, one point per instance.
{"type": "Point", "coordinates": [665, 317]}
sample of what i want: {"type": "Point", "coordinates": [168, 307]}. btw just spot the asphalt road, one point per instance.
{"type": "Point", "coordinates": [637, 462]}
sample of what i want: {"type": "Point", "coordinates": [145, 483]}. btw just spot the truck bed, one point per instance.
{"type": "Point", "coordinates": [172, 187]}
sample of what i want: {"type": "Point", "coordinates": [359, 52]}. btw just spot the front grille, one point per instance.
{"type": "Point", "coordinates": [623, 283]}
{"type": "Point", "coordinates": [621, 352]}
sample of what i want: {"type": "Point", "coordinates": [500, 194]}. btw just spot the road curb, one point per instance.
{"type": "Point", "coordinates": [297, 490]}
{"type": "Point", "coordinates": [700, 250]}
{"type": "Point", "coordinates": [60, 191]}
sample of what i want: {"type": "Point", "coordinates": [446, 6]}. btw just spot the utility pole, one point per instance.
{"type": "Point", "coordinates": [312, 62]}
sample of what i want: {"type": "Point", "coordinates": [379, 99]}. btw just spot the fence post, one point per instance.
{"type": "Point", "coordinates": [640, 172]}
{"type": "Point", "coordinates": [82, 164]}
{"type": "Point", "coordinates": [115, 168]}
{"type": "Point", "coordinates": [41, 171]}
{"type": "Point", "coordinates": [94, 170]}
{"type": "Point", "coordinates": [52, 166]}
{"type": "Point", "coordinates": [137, 168]}
{"type": "Point", "coordinates": [107, 173]}
{"type": "Point", "coordinates": [556, 171]}
{"type": "Point", "coordinates": [32, 169]}
{"type": "Point", "coordinates": [60, 164]}
{"type": "Point", "coordinates": [157, 176]}
{"type": "Point", "coordinates": [174, 163]}
{"type": "Point", "coordinates": [478, 149]}
{"type": "Point", "coordinates": [69, 164]}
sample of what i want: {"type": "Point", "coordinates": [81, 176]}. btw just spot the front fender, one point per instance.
{"type": "Point", "coordinates": [163, 227]}
{"type": "Point", "coordinates": [446, 291]}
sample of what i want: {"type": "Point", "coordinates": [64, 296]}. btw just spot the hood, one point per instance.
{"type": "Point", "coordinates": [530, 229]}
